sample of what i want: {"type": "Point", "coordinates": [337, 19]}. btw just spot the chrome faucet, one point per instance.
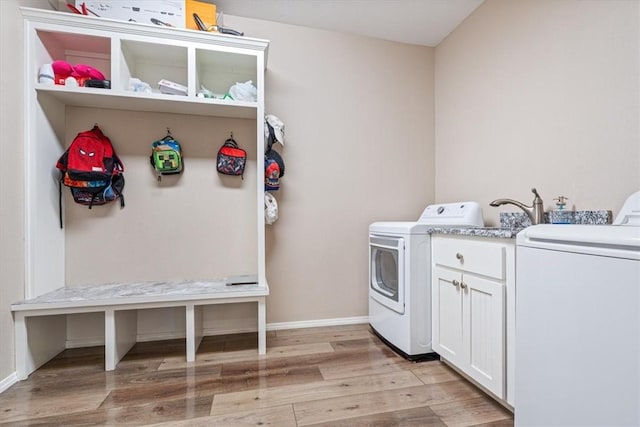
{"type": "Point", "coordinates": [535, 211]}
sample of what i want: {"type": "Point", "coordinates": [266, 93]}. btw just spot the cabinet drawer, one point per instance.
{"type": "Point", "coordinates": [475, 256]}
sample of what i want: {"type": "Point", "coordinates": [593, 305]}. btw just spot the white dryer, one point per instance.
{"type": "Point", "coordinates": [400, 276]}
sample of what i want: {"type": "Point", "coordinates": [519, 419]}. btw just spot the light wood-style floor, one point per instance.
{"type": "Point", "coordinates": [333, 376]}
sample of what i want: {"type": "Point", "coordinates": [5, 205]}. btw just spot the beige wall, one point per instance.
{"type": "Point", "coordinates": [540, 93]}
{"type": "Point", "coordinates": [359, 148]}
{"type": "Point", "coordinates": [190, 226]}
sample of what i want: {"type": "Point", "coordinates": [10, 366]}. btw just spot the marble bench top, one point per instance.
{"type": "Point", "coordinates": [143, 292]}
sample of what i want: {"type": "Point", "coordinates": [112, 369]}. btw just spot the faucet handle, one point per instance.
{"type": "Point", "coordinates": [538, 208]}
{"type": "Point", "coordinates": [534, 191]}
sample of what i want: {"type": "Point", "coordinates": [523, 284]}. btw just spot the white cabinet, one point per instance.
{"type": "Point", "coordinates": [122, 50]}
{"type": "Point", "coordinates": [218, 235]}
{"type": "Point", "coordinates": [472, 282]}
{"type": "Point", "coordinates": [447, 315]}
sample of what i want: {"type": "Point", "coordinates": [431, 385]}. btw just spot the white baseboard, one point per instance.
{"type": "Point", "coordinates": [340, 321]}
{"type": "Point", "coordinates": [207, 332]}
{"type": "Point", "coordinates": [84, 342]}
{"type": "Point", "coordinates": [8, 382]}
{"type": "Point", "coordinates": [160, 336]}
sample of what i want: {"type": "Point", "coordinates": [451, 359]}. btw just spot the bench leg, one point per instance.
{"type": "Point", "coordinates": [120, 330]}
{"type": "Point", "coordinates": [47, 339]}
{"type": "Point", "coordinates": [194, 330]}
{"type": "Point", "coordinates": [262, 326]}
{"type": "Point", "coordinates": [22, 347]}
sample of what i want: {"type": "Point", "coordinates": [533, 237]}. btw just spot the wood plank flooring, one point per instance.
{"type": "Point", "coordinates": [332, 376]}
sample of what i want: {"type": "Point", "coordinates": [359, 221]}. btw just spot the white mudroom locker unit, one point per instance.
{"type": "Point", "coordinates": [195, 226]}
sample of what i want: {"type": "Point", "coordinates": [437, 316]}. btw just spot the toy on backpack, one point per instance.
{"type": "Point", "coordinates": [69, 75]}
{"type": "Point", "coordinates": [92, 170]}
{"type": "Point", "coordinates": [166, 156]}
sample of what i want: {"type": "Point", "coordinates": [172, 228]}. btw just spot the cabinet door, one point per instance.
{"type": "Point", "coordinates": [447, 314]}
{"type": "Point", "coordinates": [484, 331]}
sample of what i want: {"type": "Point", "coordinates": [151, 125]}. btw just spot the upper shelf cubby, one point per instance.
{"type": "Point", "coordinates": [50, 46]}
{"type": "Point", "coordinates": [124, 50]}
{"type": "Point", "coordinates": [151, 63]}
{"type": "Point", "coordinates": [217, 71]}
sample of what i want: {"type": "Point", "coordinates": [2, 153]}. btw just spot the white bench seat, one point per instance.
{"type": "Point", "coordinates": [40, 331]}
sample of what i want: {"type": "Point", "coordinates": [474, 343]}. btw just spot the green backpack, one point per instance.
{"type": "Point", "coordinates": [166, 156]}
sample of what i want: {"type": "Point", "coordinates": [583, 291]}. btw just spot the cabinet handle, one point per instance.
{"type": "Point", "coordinates": [455, 283]}
{"type": "Point", "coordinates": [463, 285]}
{"type": "Point", "coordinates": [460, 257]}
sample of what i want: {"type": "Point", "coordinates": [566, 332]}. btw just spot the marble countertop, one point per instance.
{"type": "Point", "coordinates": [511, 223]}
{"type": "Point", "coordinates": [520, 220]}
{"type": "Point", "coordinates": [490, 232]}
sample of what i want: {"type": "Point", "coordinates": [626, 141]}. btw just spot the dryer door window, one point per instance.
{"type": "Point", "coordinates": [386, 271]}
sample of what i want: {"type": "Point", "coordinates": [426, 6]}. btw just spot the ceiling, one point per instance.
{"type": "Point", "coordinates": [421, 22]}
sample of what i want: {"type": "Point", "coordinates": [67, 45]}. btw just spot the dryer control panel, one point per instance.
{"type": "Point", "coordinates": [461, 214]}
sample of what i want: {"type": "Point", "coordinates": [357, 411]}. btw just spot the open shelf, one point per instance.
{"type": "Point", "coordinates": [152, 62]}
{"type": "Point", "coordinates": [218, 71]}
{"type": "Point", "coordinates": [151, 102]}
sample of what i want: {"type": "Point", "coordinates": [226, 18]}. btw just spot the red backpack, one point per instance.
{"type": "Point", "coordinates": [231, 158]}
{"type": "Point", "coordinates": [92, 170]}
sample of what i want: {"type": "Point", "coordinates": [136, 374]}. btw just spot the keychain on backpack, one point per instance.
{"type": "Point", "coordinates": [166, 156]}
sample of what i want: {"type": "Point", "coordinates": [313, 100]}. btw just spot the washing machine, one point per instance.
{"type": "Point", "coordinates": [400, 276]}
{"type": "Point", "coordinates": [578, 323]}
